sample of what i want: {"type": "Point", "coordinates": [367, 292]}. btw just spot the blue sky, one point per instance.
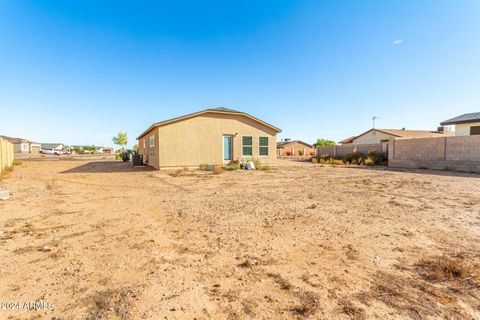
{"type": "Point", "coordinates": [79, 71]}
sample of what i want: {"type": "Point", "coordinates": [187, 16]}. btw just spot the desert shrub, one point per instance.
{"type": "Point", "coordinates": [125, 156]}
{"type": "Point", "coordinates": [355, 158]}
{"type": "Point", "coordinates": [17, 162]}
{"type": "Point", "coordinates": [265, 168]}
{"type": "Point", "coordinates": [314, 160]}
{"type": "Point", "coordinates": [122, 155]}
{"type": "Point", "coordinates": [376, 158]}
{"type": "Point", "coordinates": [329, 160]}
{"type": "Point", "coordinates": [369, 162]}
{"type": "Point", "coordinates": [333, 162]}
{"type": "Point", "coordinates": [233, 165]}
{"type": "Point", "coordinates": [217, 170]}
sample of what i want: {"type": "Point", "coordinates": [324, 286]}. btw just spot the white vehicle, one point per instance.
{"type": "Point", "coordinates": [50, 151]}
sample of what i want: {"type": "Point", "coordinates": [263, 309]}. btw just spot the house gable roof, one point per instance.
{"type": "Point", "coordinates": [464, 118]}
{"type": "Point", "coordinates": [348, 140]}
{"type": "Point", "coordinates": [401, 133]}
{"type": "Point", "coordinates": [220, 110]}
{"type": "Point", "coordinates": [17, 140]}
{"type": "Point", "coordinates": [283, 144]}
{"type": "Point", "coordinates": [51, 145]}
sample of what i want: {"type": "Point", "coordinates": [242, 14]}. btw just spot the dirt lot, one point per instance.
{"type": "Point", "coordinates": [100, 240]}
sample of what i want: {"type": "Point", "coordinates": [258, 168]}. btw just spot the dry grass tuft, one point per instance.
{"type": "Point", "coordinates": [351, 310]}
{"type": "Point", "coordinates": [307, 307]}
{"type": "Point", "coordinates": [282, 282]}
{"type": "Point", "coordinates": [446, 269]}
{"type": "Point", "coordinates": [218, 170]}
{"type": "Point", "coordinates": [110, 304]}
{"type": "Point", "coordinates": [51, 184]}
{"type": "Point", "coordinates": [178, 172]}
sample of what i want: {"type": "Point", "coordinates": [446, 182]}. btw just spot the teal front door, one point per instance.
{"type": "Point", "coordinates": [227, 148]}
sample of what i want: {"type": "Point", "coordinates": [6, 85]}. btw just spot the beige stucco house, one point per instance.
{"type": "Point", "coordinates": [212, 136]}
{"type": "Point", "coordinates": [465, 125]}
{"type": "Point", "coordinates": [23, 145]}
{"type": "Point", "coordinates": [294, 148]}
{"type": "Point", "coordinates": [383, 135]}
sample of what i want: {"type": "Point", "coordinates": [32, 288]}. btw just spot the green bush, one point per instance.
{"type": "Point", "coordinates": [233, 165]}
{"type": "Point", "coordinates": [122, 155]}
{"type": "Point", "coordinates": [355, 158]}
{"type": "Point", "coordinates": [377, 158]}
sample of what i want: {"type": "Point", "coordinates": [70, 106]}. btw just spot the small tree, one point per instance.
{"type": "Point", "coordinates": [135, 149]}
{"type": "Point", "coordinates": [323, 142]}
{"type": "Point", "coordinates": [121, 139]}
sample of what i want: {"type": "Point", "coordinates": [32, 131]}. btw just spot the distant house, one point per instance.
{"type": "Point", "coordinates": [467, 124]}
{"type": "Point", "coordinates": [294, 148]}
{"type": "Point", "coordinates": [105, 150]}
{"type": "Point", "coordinates": [383, 135]}
{"type": "Point", "coordinates": [23, 145]}
{"type": "Point", "coordinates": [212, 136]}
{"type": "Point", "coordinates": [53, 146]}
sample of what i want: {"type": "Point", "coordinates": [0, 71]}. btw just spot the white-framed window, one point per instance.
{"type": "Point", "coordinates": [263, 146]}
{"type": "Point", "coordinates": [152, 145]}
{"type": "Point", "coordinates": [25, 147]}
{"type": "Point", "coordinates": [247, 146]}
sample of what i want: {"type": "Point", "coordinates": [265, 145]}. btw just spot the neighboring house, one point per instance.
{"type": "Point", "coordinates": [53, 146]}
{"type": "Point", "coordinates": [23, 145]}
{"type": "Point", "coordinates": [294, 148]}
{"type": "Point", "coordinates": [465, 125]}
{"type": "Point", "coordinates": [383, 135]}
{"type": "Point", "coordinates": [106, 150]}
{"type": "Point", "coordinates": [212, 136]}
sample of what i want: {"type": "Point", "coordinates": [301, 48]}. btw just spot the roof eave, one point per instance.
{"type": "Point", "coordinates": [449, 123]}
{"type": "Point", "coordinates": [192, 115]}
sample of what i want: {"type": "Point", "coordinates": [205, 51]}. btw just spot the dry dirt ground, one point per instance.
{"type": "Point", "coordinates": [100, 240]}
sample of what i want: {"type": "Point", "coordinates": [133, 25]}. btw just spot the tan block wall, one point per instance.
{"type": "Point", "coordinates": [7, 153]}
{"type": "Point", "coordinates": [459, 153]}
{"type": "Point", "coordinates": [343, 150]}
{"type": "Point", "coordinates": [198, 140]}
{"type": "Point", "coordinates": [294, 148]}
{"type": "Point", "coordinates": [419, 149]}
{"type": "Point", "coordinates": [375, 147]}
{"type": "Point", "coordinates": [463, 148]}
{"type": "Point", "coordinates": [325, 150]}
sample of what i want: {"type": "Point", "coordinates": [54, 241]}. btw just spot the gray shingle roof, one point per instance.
{"type": "Point", "coordinates": [464, 118]}
{"type": "Point", "coordinates": [51, 145]}
{"type": "Point", "coordinates": [222, 109]}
